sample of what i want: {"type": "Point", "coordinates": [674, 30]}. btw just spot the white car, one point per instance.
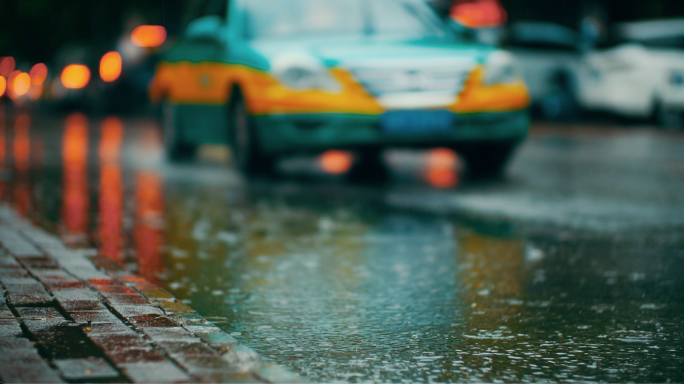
{"type": "Point", "coordinates": [641, 77]}
{"type": "Point", "coordinates": [549, 56]}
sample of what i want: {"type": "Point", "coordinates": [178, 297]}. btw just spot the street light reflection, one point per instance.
{"type": "Point", "coordinates": [22, 159]}
{"type": "Point", "coordinates": [149, 228]}
{"type": "Point", "coordinates": [75, 201]}
{"type": "Point", "coordinates": [111, 189]}
{"type": "Point", "coordinates": [3, 86]}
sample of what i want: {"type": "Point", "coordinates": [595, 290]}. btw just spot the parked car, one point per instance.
{"type": "Point", "coordinates": [275, 78]}
{"type": "Point", "coordinates": [640, 75]}
{"type": "Point", "coordinates": [549, 55]}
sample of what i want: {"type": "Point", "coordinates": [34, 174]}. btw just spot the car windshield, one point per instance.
{"type": "Point", "coordinates": [286, 18]}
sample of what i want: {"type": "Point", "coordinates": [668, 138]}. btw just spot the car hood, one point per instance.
{"type": "Point", "coordinates": [344, 53]}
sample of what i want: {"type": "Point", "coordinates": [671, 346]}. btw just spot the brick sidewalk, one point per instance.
{"type": "Point", "coordinates": [64, 320]}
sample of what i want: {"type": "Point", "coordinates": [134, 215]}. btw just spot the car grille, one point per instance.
{"type": "Point", "coordinates": [380, 81]}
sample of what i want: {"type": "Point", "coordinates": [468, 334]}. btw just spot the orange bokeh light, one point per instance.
{"type": "Point", "coordinates": [442, 168]}
{"type": "Point", "coordinates": [38, 74]}
{"type": "Point", "coordinates": [442, 157]}
{"type": "Point", "coordinates": [442, 177]}
{"type": "Point", "coordinates": [112, 137]}
{"type": "Point", "coordinates": [3, 85]}
{"type": "Point", "coordinates": [110, 66]}
{"type": "Point", "coordinates": [35, 92]}
{"type": "Point", "coordinates": [75, 76]}
{"type": "Point", "coordinates": [21, 84]}
{"type": "Point", "coordinates": [6, 65]}
{"type": "Point", "coordinates": [336, 162]}
{"type": "Point", "coordinates": [149, 36]}
{"type": "Point", "coordinates": [479, 13]}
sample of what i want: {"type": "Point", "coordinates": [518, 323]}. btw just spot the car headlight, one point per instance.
{"type": "Point", "coordinates": [302, 72]}
{"type": "Point", "coordinates": [501, 68]}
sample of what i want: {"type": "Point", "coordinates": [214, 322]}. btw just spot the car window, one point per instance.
{"type": "Point", "coordinates": [542, 36]}
{"type": "Point", "coordinates": [284, 18]}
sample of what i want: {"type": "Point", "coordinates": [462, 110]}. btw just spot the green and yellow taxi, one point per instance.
{"type": "Point", "coordinates": [273, 78]}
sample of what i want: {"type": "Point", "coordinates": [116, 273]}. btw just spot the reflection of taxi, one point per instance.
{"type": "Point", "coordinates": [276, 77]}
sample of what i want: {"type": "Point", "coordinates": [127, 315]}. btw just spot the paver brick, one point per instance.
{"type": "Point", "coordinates": [126, 299]}
{"type": "Point", "coordinates": [112, 289]}
{"type": "Point", "coordinates": [9, 328]}
{"type": "Point", "coordinates": [195, 364]}
{"type": "Point", "coordinates": [176, 334]}
{"type": "Point", "coordinates": [85, 273]}
{"type": "Point", "coordinates": [86, 369]}
{"type": "Point", "coordinates": [172, 306]}
{"type": "Point", "coordinates": [7, 262]}
{"type": "Point", "coordinates": [37, 372]}
{"type": "Point", "coordinates": [155, 373]}
{"type": "Point", "coordinates": [39, 262]}
{"type": "Point", "coordinates": [149, 321]}
{"type": "Point", "coordinates": [119, 342]}
{"type": "Point", "coordinates": [134, 355]}
{"type": "Point", "coordinates": [176, 348]}
{"type": "Point", "coordinates": [76, 300]}
{"type": "Point", "coordinates": [109, 329]}
{"type": "Point", "coordinates": [23, 294]}
{"type": "Point", "coordinates": [13, 273]}
{"type": "Point", "coordinates": [16, 244]}
{"type": "Point", "coordinates": [129, 311]}
{"type": "Point", "coordinates": [14, 344]}
{"type": "Point", "coordinates": [103, 316]}
{"type": "Point", "coordinates": [153, 293]}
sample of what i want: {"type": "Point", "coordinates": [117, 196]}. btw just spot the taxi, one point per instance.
{"type": "Point", "coordinates": [273, 78]}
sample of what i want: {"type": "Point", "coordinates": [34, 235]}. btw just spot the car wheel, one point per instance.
{"type": "Point", "coordinates": [248, 157]}
{"type": "Point", "coordinates": [369, 166]}
{"type": "Point", "coordinates": [489, 160]}
{"type": "Point", "coordinates": [176, 148]}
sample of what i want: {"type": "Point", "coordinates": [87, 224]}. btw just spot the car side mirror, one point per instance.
{"type": "Point", "coordinates": [208, 29]}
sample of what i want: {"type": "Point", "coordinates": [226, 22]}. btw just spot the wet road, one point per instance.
{"type": "Point", "coordinates": [568, 270]}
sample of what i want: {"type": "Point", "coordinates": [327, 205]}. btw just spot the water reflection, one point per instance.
{"type": "Point", "coordinates": [149, 212]}
{"type": "Point", "coordinates": [22, 162]}
{"type": "Point", "coordinates": [75, 203]}
{"type": "Point", "coordinates": [111, 189]}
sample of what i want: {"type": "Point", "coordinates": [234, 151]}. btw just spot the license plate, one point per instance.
{"type": "Point", "coordinates": [417, 122]}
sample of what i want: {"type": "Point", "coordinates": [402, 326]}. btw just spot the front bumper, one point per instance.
{"type": "Point", "coordinates": [318, 132]}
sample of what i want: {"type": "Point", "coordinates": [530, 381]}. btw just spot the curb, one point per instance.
{"type": "Point", "coordinates": [63, 319]}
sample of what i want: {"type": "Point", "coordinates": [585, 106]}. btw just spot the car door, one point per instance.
{"type": "Point", "coordinates": [204, 49]}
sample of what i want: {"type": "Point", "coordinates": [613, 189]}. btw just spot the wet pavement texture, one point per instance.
{"type": "Point", "coordinates": [570, 269]}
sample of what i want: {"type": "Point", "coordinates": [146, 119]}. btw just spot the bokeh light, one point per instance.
{"type": "Point", "coordinates": [336, 162]}
{"type": "Point", "coordinates": [6, 65]}
{"type": "Point", "coordinates": [21, 83]}
{"type": "Point", "coordinates": [149, 36]}
{"type": "Point", "coordinates": [479, 13]}
{"type": "Point", "coordinates": [110, 66]}
{"type": "Point", "coordinates": [35, 92]}
{"type": "Point", "coordinates": [75, 76]}
{"type": "Point", "coordinates": [443, 166]}
{"type": "Point", "coordinates": [39, 73]}
{"type": "Point", "coordinates": [3, 85]}
{"type": "Point", "coordinates": [442, 157]}
{"type": "Point", "coordinates": [441, 177]}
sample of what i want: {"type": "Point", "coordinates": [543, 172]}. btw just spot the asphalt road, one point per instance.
{"type": "Point", "coordinates": [570, 269]}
